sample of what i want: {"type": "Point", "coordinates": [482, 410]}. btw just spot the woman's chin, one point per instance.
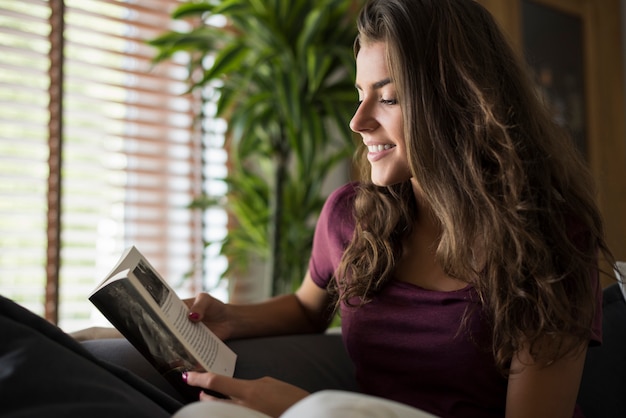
{"type": "Point", "coordinates": [386, 181]}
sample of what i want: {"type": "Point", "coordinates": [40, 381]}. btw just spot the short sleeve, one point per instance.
{"type": "Point", "coordinates": [333, 232]}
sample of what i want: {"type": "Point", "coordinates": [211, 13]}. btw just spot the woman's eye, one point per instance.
{"type": "Point", "coordinates": [389, 102]}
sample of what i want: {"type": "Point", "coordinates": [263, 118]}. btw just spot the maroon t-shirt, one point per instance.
{"type": "Point", "coordinates": [408, 344]}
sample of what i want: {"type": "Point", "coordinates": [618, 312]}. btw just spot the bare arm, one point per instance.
{"type": "Point", "coordinates": [549, 391]}
{"type": "Point", "coordinates": [305, 311]}
{"type": "Point", "coordinates": [266, 395]}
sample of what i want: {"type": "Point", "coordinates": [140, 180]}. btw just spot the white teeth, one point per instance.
{"type": "Point", "coordinates": [379, 148]}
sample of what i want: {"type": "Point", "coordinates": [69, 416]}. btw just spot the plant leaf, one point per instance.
{"type": "Point", "coordinates": [227, 60]}
{"type": "Point", "coordinates": [190, 9]}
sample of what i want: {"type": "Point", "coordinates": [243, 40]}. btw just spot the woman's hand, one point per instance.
{"type": "Point", "coordinates": [305, 311]}
{"type": "Point", "coordinates": [266, 395]}
{"type": "Point", "coordinates": [213, 313]}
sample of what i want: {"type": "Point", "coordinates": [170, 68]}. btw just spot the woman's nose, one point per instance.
{"type": "Point", "coordinates": [362, 119]}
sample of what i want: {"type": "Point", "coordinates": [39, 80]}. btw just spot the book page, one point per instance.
{"type": "Point", "coordinates": [213, 353]}
{"type": "Point", "coordinates": [127, 261]}
{"type": "Point", "coordinates": [149, 313]}
{"type": "Point", "coordinates": [136, 318]}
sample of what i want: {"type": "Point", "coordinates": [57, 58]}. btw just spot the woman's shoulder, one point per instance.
{"type": "Point", "coordinates": [333, 232]}
{"type": "Point", "coordinates": [342, 198]}
{"type": "Point", "coordinates": [337, 216]}
{"type": "Point", "coordinates": [345, 192]}
{"type": "Point", "coordinates": [344, 195]}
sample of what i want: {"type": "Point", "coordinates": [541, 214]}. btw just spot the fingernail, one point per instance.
{"type": "Point", "coordinates": [194, 315]}
{"type": "Point", "coordinates": [184, 376]}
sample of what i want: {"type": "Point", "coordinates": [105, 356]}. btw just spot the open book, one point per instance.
{"type": "Point", "coordinates": [141, 305]}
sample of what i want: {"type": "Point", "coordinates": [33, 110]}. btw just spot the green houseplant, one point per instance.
{"type": "Point", "coordinates": [283, 70]}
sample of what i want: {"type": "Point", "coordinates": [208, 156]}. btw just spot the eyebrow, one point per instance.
{"type": "Point", "coordinates": [377, 85]}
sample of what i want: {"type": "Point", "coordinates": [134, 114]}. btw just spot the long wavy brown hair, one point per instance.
{"type": "Point", "coordinates": [506, 184]}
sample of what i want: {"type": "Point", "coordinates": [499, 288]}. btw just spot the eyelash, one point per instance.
{"type": "Point", "coordinates": [383, 101]}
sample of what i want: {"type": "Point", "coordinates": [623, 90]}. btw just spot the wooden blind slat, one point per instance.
{"type": "Point", "coordinates": [55, 146]}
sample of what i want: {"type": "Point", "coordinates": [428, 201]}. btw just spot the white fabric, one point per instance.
{"type": "Point", "coordinates": [217, 409]}
{"type": "Point", "coordinates": [324, 404]}
{"type": "Point", "coordinates": [337, 404]}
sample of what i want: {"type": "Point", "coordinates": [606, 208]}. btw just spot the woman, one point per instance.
{"type": "Point", "coordinates": [465, 271]}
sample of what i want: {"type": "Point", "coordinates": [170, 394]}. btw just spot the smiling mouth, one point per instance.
{"type": "Point", "coordinates": [379, 148]}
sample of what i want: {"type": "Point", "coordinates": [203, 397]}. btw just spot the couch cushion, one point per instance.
{"type": "Point", "coordinates": [313, 362]}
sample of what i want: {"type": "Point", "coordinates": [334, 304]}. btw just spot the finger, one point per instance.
{"type": "Point", "coordinates": [227, 386]}
{"type": "Point", "coordinates": [189, 302]}
{"type": "Point", "coordinates": [198, 306]}
{"type": "Point", "coordinates": [212, 396]}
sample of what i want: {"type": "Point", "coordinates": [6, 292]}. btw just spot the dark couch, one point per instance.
{"type": "Point", "coordinates": [312, 362]}
{"type": "Point", "coordinates": [603, 388]}
{"type": "Point", "coordinates": [45, 372]}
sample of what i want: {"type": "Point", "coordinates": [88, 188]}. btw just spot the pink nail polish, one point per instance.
{"type": "Point", "coordinates": [184, 376]}
{"type": "Point", "coordinates": [194, 316]}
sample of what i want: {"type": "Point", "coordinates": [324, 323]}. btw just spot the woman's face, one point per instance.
{"type": "Point", "coordinates": [378, 118]}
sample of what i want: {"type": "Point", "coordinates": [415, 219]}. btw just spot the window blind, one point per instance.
{"type": "Point", "coordinates": [24, 83]}
{"type": "Point", "coordinates": [134, 154]}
